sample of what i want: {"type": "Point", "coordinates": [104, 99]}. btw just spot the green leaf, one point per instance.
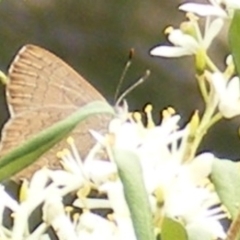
{"type": "Point", "coordinates": [226, 179]}
{"type": "Point", "coordinates": [173, 230]}
{"type": "Point", "coordinates": [32, 149]}
{"type": "Point", "coordinates": [130, 172]}
{"type": "Point", "coordinates": [234, 39]}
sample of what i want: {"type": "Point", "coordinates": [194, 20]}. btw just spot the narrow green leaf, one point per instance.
{"type": "Point", "coordinates": [226, 179]}
{"type": "Point", "coordinates": [173, 230]}
{"type": "Point", "coordinates": [130, 172]}
{"type": "Point", "coordinates": [234, 39]}
{"type": "Point", "coordinates": [31, 150]}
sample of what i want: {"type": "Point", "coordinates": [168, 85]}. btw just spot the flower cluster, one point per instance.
{"type": "Point", "coordinates": [168, 179]}
{"type": "Point", "coordinates": [188, 40]}
{"type": "Point", "coordinates": [180, 183]}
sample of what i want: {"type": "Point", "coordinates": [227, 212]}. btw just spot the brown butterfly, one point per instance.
{"type": "Point", "coordinates": [42, 90]}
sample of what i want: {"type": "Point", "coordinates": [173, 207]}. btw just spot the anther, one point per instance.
{"type": "Point", "coordinates": [168, 30]}
{"type": "Point", "coordinates": [148, 110]}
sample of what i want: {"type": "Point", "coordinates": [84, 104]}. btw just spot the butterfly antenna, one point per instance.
{"type": "Point", "coordinates": [125, 69]}
{"type": "Point", "coordinates": [132, 87]}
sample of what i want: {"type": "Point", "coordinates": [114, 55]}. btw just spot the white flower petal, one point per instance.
{"type": "Point", "coordinates": [63, 178]}
{"type": "Point", "coordinates": [92, 226]}
{"type": "Point", "coordinates": [203, 9]}
{"type": "Point", "coordinates": [20, 221]}
{"type": "Point", "coordinates": [229, 109]}
{"type": "Point", "coordinates": [114, 190]}
{"type": "Point", "coordinates": [219, 83]}
{"type": "Point", "coordinates": [7, 201]}
{"type": "Point", "coordinates": [167, 51]}
{"type": "Point", "coordinates": [201, 167]}
{"type": "Point", "coordinates": [229, 60]}
{"type": "Point", "coordinates": [212, 226]}
{"type": "Point", "coordinates": [228, 95]}
{"type": "Point", "coordinates": [100, 171]}
{"type": "Point", "coordinates": [133, 132]}
{"type": "Point", "coordinates": [99, 137]}
{"type": "Point", "coordinates": [233, 4]}
{"type": "Point", "coordinates": [213, 30]}
{"type": "Point", "coordinates": [54, 215]}
{"type": "Point", "coordinates": [178, 38]}
{"type": "Point", "coordinates": [233, 88]}
{"type": "Point", "coordinates": [92, 221]}
{"type": "Point", "coordinates": [39, 181]}
{"type": "Point", "coordinates": [125, 228]}
{"type": "Point", "coordinates": [92, 203]}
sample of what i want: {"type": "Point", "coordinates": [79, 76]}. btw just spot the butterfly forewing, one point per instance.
{"type": "Point", "coordinates": [42, 90]}
{"type": "Point", "coordinates": [39, 78]}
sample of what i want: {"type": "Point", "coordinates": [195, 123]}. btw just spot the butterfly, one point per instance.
{"type": "Point", "coordinates": [42, 89]}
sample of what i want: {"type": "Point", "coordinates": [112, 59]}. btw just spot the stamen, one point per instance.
{"type": "Point", "coordinates": [138, 118]}
{"type": "Point", "coordinates": [94, 150]}
{"type": "Point", "coordinates": [85, 211]}
{"type": "Point", "coordinates": [188, 28]}
{"type": "Point", "coordinates": [206, 183]}
{"type": "Point", "coordinates": [193, 29]}
{"type": "Point", "coordinates": [110, 217]}
{"type": "Point", "coordinates": [213, 200]}
{"type": "Point", "coordinates": [171, 111]}
{"type": "Point", "coordinates": [148, 111]}
{"type": "Point", "coordinates": [159, 194]}
{"type": "Point", "coordinates": [130, 116]}
{"type": "Point", "coordinates": [217, 213]}
{"type": "Point", "coordinates": [225, 210]}
{"type": "Point", "coordinates": [63, 154]}
{"type": "Point", "coordinates": [76, 217]}
{"type": "Point", "coordinates": [168, 113]}
{"type": "Point", "coordinates": [230, 69]}
{"type": "Point", "coordinates": [23, 193]}
{"type": "Point", "coordinates": [75, 152]}
{"type": "Point", "coordinates": [110, 139]}
{"type": "Point", "coordinates": [84, 191]}
{"type": "Point", "coordinates": [113, 177]}
{"type": "Point", "coordinates": [168, 30]}
{"type": "Point", "coordinates": [65, 157]}
{"type": "Point", "coordinates": [192, 17]}
{"type": "Point", "coordinates": [69, 210]}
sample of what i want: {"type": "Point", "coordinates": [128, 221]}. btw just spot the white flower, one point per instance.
{"type": "Point", "coordinates": [219, 8]}
{"type": "Point", "coordinates": [203, 9]}
{"type": "Point", "coordinates": [227, 93]}
{"type": "Point", "coordinates": [114, 190]}
{"type": "Point", "coordinates": [94, 227]}
{"type": "Point", "coordinates": [185, 44]}
{"type": "Point", "coordinates": [160, 150]}
{"type": "Point", "coordinates": [206, 229]}
{"type": "Point", "coordinates": [179, 182]}
{"type": "Point", "coordinates": [148, 143]}
{"type": "Point", "coordinates": [54, 215]}
{"type": "Point", "coordinates": [166, 170]}
{"type": "Point", "coordinates": [6, 201]}
{"type": "Point", "coordinates": [100, 171]}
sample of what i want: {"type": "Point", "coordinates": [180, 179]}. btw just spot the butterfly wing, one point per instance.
{"type": "Point", "coordinates": [42, 90]}
{"type": "Point", "coordinates": [39, 78]}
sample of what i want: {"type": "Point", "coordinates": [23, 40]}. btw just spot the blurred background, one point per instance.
{"type": "Point", "coordinates": [94, 37]}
